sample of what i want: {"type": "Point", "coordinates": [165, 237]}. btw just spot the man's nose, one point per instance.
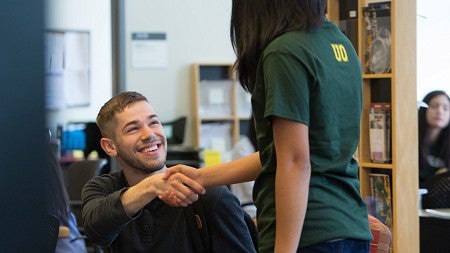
{"type": "Point", "coordinates": [147, 132]}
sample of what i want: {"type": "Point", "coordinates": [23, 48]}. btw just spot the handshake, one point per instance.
{"type": "Point", "coordinates": [185, 182]}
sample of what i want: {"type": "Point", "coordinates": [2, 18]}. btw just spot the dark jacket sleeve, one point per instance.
{"type": "Point", "coordinates": [103, 214]}
{"type": "Point", "coordinates": [225, 220]}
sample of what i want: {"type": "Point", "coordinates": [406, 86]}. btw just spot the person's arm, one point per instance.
{"type": "Point", "coordinates": [139, 195]}
{"type": "Point", "coordinates": [241, 170]}
{"type": "Point", "coordinates": [109, 206]}
{"type": "Point", "coordinates": [291, 182]}
{"type": "Point", "coordinates": [103, 214]}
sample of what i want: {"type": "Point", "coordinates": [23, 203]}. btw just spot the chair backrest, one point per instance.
{"type": "Point", "coordinates": [76, 176]}
{"type": "Point", "coordinates": [78, 173]}
{"type": "Point", "coordinates": [438, 195]}
{"type": "Point", "coordinates": [382, 236]}
{"type": "Point", "coordinates": [53, 230]}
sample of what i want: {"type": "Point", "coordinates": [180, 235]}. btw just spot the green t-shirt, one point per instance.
{"type": "Point", "coordinates": [315, 79]}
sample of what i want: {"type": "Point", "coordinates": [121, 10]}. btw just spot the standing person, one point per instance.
{"type": "Point", "coordinates": [121, 210]}
{"type": "Point", "coordinates": [306, 84]}
{"type": "Point", "coordinates": [58, 204]}
{"type": "Point", "coordinates": [434, 135]}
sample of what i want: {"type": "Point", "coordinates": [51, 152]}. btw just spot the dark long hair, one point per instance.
{"type": "Point", "coordinates": [424, 141]}
{"type": "Point", "coordinates": [255, 23]}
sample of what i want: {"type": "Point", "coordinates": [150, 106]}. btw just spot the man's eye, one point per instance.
{"type": "Point", "coordinates": [133, 129]}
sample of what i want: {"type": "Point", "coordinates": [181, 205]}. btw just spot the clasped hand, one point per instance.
{"type": "Point", "coordinates": [193, 183]}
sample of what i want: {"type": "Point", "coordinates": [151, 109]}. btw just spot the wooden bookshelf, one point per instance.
{"type": "Point", "coordinates": [225, 103]}
{"type": "Point", "coordinates": [399, 88]}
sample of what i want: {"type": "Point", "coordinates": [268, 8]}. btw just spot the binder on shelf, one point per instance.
{"type": "Point", "coordinates": [215, 98]}
{"type": "Point", "coordinates": [216, 136]}
{"type": "Point", "coordinates": [380, 200]}
{"type": "Point", "coordinates": [380, 132]}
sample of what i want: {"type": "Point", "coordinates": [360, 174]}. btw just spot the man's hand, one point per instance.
{"type": "Point", "coordinates": [191, 181]}
{"type": "Point", "coordinates": [183, 191]}
{"type": "Point", "coordinates": [182, 188]}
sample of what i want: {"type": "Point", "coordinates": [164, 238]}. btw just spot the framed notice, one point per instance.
{"type": "Point", "coordinates": [148, 50]}
{"type": "Point", "coordinates": [67, 69]}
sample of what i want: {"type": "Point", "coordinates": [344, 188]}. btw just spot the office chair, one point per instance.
{"type": "Point", "coordinates": [77, 174]}
{"type": "Point", "coordinates": [438, 195]}
{"type": "Point", "coordinates": [53, 229]}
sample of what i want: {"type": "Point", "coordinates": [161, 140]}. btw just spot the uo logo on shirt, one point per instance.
{"type": "Point", "coordinates": [339, 52]}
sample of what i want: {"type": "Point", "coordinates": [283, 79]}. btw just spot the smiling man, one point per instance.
{"type": "Point", "coordinates": [122, 211]}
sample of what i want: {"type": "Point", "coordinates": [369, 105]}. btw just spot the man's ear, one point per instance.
{"type": "Point", "coordinates": [108, 146]}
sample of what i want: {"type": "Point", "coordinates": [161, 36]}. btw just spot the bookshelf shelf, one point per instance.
{"type": "Point", "coordinates": [376, 165]}
{"type": "Point", "coordinates": [397, 87]}
{"type": "Point", "coordinates": [374, 76]}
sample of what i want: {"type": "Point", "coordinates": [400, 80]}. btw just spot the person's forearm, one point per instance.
{"type": "Point", "coordinates": [291, 194]}
{"type": "Point", "coordinates": [136, 197]}
{"type": "Point", "coordinates": [237, 171]}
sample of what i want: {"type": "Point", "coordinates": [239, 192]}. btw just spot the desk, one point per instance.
{"type": "Point", "coordinates": [435, 231]}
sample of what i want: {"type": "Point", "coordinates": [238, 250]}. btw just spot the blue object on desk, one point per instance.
{"type": "Point", "coordinates": [73, 140]}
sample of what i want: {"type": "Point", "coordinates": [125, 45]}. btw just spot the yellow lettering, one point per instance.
{"type": "Point", "coordinates": [336, 52]}
{"type": "Point", "coordinates": [343, 53]}
{"type": "Point", "coordinates": [339, 52]}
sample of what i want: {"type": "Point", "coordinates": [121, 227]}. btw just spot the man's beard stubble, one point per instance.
{"type": "Point", "coordinates": [143, 167]}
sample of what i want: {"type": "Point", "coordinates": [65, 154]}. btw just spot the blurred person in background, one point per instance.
{"type": "Point", "coordinates": [434, 135]}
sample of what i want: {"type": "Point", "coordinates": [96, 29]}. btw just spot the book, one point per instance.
{"type": "Point", "coordinates": [380, 132]}
{"type": "Point", "coordinates": [380, 205]}
{"type": "Point", "coordinates": [377, 38]}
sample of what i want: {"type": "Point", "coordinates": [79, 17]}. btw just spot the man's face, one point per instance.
{"type": "Point", "coordinates": [139, 139]}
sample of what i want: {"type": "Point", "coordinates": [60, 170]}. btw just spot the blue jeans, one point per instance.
{"type": "Point", "coordinates": [339, 246]}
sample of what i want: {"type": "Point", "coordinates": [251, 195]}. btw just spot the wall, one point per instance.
{"type": "Point", "coordinates": [197, 31]}
{"type": "Point", "coordinates": [95, 17]}
{"type": "Point", "coordinates": [433, 39]}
